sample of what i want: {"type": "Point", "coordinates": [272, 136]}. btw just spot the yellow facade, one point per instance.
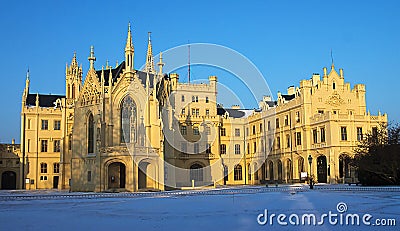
{"type": "Point", "coordinates": [128, 129]}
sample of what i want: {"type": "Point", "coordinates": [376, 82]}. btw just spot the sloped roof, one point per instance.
{"type": "Point", "coordinates": [44, 100]}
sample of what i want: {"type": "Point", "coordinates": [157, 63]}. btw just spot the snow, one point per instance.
{"type": "Point", "coordinates": [224, 209]}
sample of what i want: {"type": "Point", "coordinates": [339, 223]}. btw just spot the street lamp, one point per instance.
{"type": "Point", "coordinates": [310, 178]}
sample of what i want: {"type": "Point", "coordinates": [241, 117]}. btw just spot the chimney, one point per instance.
{"type": "Point", "coordinates": [291, 90]}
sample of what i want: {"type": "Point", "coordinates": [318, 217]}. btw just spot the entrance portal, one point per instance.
{"type": "Point", "coordinates": [116, 175]}
{"type": "Point", "coordinates": [322, 169]}
{"type": "Point", "coordinates": [9, 180]}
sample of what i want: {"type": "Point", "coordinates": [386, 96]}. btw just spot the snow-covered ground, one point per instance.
{"type": "Point", "coordinates": [223, 209]}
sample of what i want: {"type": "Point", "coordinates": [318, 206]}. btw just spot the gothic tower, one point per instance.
{"type": "Point", "coordinates": [73, 80]}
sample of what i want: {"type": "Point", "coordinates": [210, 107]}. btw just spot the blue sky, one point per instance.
{"type": "Point", "coordinates": [286, 40]}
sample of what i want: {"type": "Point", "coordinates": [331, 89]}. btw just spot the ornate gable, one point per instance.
{"type": "Point", "coordinates": [91, 92]}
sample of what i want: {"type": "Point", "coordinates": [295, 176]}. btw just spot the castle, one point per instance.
{"type": "Point", "coordinates": [124, 129]}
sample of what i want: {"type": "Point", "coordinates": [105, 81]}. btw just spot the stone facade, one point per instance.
{"type": "Point", "coordinates": [127, 129]}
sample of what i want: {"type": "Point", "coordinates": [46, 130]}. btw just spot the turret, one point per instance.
{"type": "Point", "coordinates": [149, 57]}
{"type": "Point", "coordinates": [73, 79]}
{"type": "Point", "coordinates": [129, 51]}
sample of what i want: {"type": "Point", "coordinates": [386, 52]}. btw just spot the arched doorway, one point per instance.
{"type": "Point", "coordinates": [271, 170]}
{"type": "Point", "coordinates": [226, 174]}
{"type": "Point", "coordinates": [116, 175]}
{"type": "Point", "coordinates": [146, 175]}
{"type": "Point", "coordinates": [322, 173]}
{"type": "Point", "coordinates": [196, 173]}
{"type": "Point", "coordinates": [9, 180]}
{"type": "Point", "coordinates": [280, 170]}
{"type": "Point", "coordinates": [345, 170]}
{"type": "Point", "coordinates": [289, 172]}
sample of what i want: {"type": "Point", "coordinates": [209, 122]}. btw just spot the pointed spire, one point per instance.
{"type": "Point", "coordinates": [333, 65]}
{"type": "Point", "coordinates": [129, 51]}
{"type": "Point", "coordinates": [27, 82]}
{"type": "Point", "coordinates": [129, 44]}
{"type": "Point", "coordinates": [91, 58]}
{"type": "Point", "coordinates": [149, 56]}
{"type": "Point", "coordinates": [74, 63]}
{"type": "Point", "coordinates": [160, 65]}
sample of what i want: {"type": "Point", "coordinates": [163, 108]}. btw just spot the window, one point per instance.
{"type": "Point", "coordinates": [56, 146]}
{"type": "Point", "coordinates": [278, 142]}
{"type": "Point", "coordinates": [183, 130]}
{"type": "Point", "coordinates": [29, 123]}
{"type": "Point", "coordinates": [320, 111]}
{"type": "Point", "coordinates": [208, 150]}
{"type": "Point", "coordinates": [334, 112]}
{"type": "Point", "coordinates": [298, 138]}
{"type": "Point", "coordinates": [183, 98]}
{"type": "Point", "coordinates": [247, 131]}
{"type": "Point", "coordinates": [70, 142]}
{"type": "Point", "coordinates": [195, 99]}
{"type": "Point", "coordinates": [196, 130]}
{"type": "Point", "coordinates": [237, 132]}
{"type": "Point", "coordinates": [261, 128]}
{"type": "Point", "coordinates": [315, 136]}
{"type": "Point", "coordinates": [374, 132]}
{"type": "Point", "coordinates": [90, 132]}
{"type": "Point", "coordinates": [248, 148]}
{"type": "Point", "coordinates": [248, 172]}
{"type": "Point", "coordinates": [343, 131]}
{"type": "Point", "coordinates": [89, 176]}
{"type": "Point", "coordinates": [223, 148]}
{"type": "Point", "coordinates": [254, 129]}
{"type": "Point", "coordinates": [45, 125]}
{"type": "Point", "coordinates": [183, 112]}
{"type": "Point", "coordinates": [196, 172]}
{"type": "Point", "coordinates": [207, 112]}
{"type": "Point", "coordinates": [286, 120]}
{"type": "Point", "coordinates": [43, 168]}
{"type": "Point", "coordinates": [196, 148]}
{"type": "Point", "coordinates": [195, 112]}
{"type": "Point", "coordinates": [57, 124]}
{"type": "Point", "coordinates": [297, 117]}
{"type": "Point", "coordinates": [334, 86]}
{"type": "Point", "coordinates": [322, 134]}
{"type": "Point", "coordinates": [44, 146]}
{"type": "Point", "coordinates": [28, 145]}
{"type": "Point", "coordinates": [288, 141]}
{"type": "Point", "coordinates": [238, 172]}
{"type": "Point", "coordinates": [277, 123]}
{"type": "Point", "coordinates": [207, 100]}
{"type": "Point", "coordinates": [269, 125]}
{"type": "Point", "coordinates": [128, 122]}
{"type": "Point", "coordinates": [254, 147]}
{"type": "Point", "coordinates": [223, 132]}
{"type": "Point", "coordinates": [237, 149]}
{"type": "Point", "coordinates": [56, 167]}
{"type": "Point", "coordinates": [184, 147]}
{"type": "Point", "coordinates": [43, 177]}
{"type": "Point", "coordinates": [208, 130]}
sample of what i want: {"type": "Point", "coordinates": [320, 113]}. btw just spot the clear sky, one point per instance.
{"type": "Point", "coordinates": [286, 40]}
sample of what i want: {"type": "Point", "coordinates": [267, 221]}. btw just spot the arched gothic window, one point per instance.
{"type": "Point", "coordinates": [90, 134]}
{"type": "Point", "coordinates": [128, 121]}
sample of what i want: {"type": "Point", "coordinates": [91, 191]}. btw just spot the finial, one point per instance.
{"type": "Point", "coordinates": [160, 64]}
{"type": "Point", "coordinates": [107, 64]}
{"type": "Point", "coordinates": [129, 26]}
{"type": "Point", "coordinates": [149, 35]}
{"type": "Point", "coordinates": [27, 74]}
{"type": "Point", "coordinates": [333, 65]}
{"type": "Point", "coordinates": [116, 64]}
{"type": "Point", "coordinates": [91, 57]}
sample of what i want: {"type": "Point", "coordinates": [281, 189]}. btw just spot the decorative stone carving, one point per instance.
{"type": "Point", "coordinates": [335, 100]}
